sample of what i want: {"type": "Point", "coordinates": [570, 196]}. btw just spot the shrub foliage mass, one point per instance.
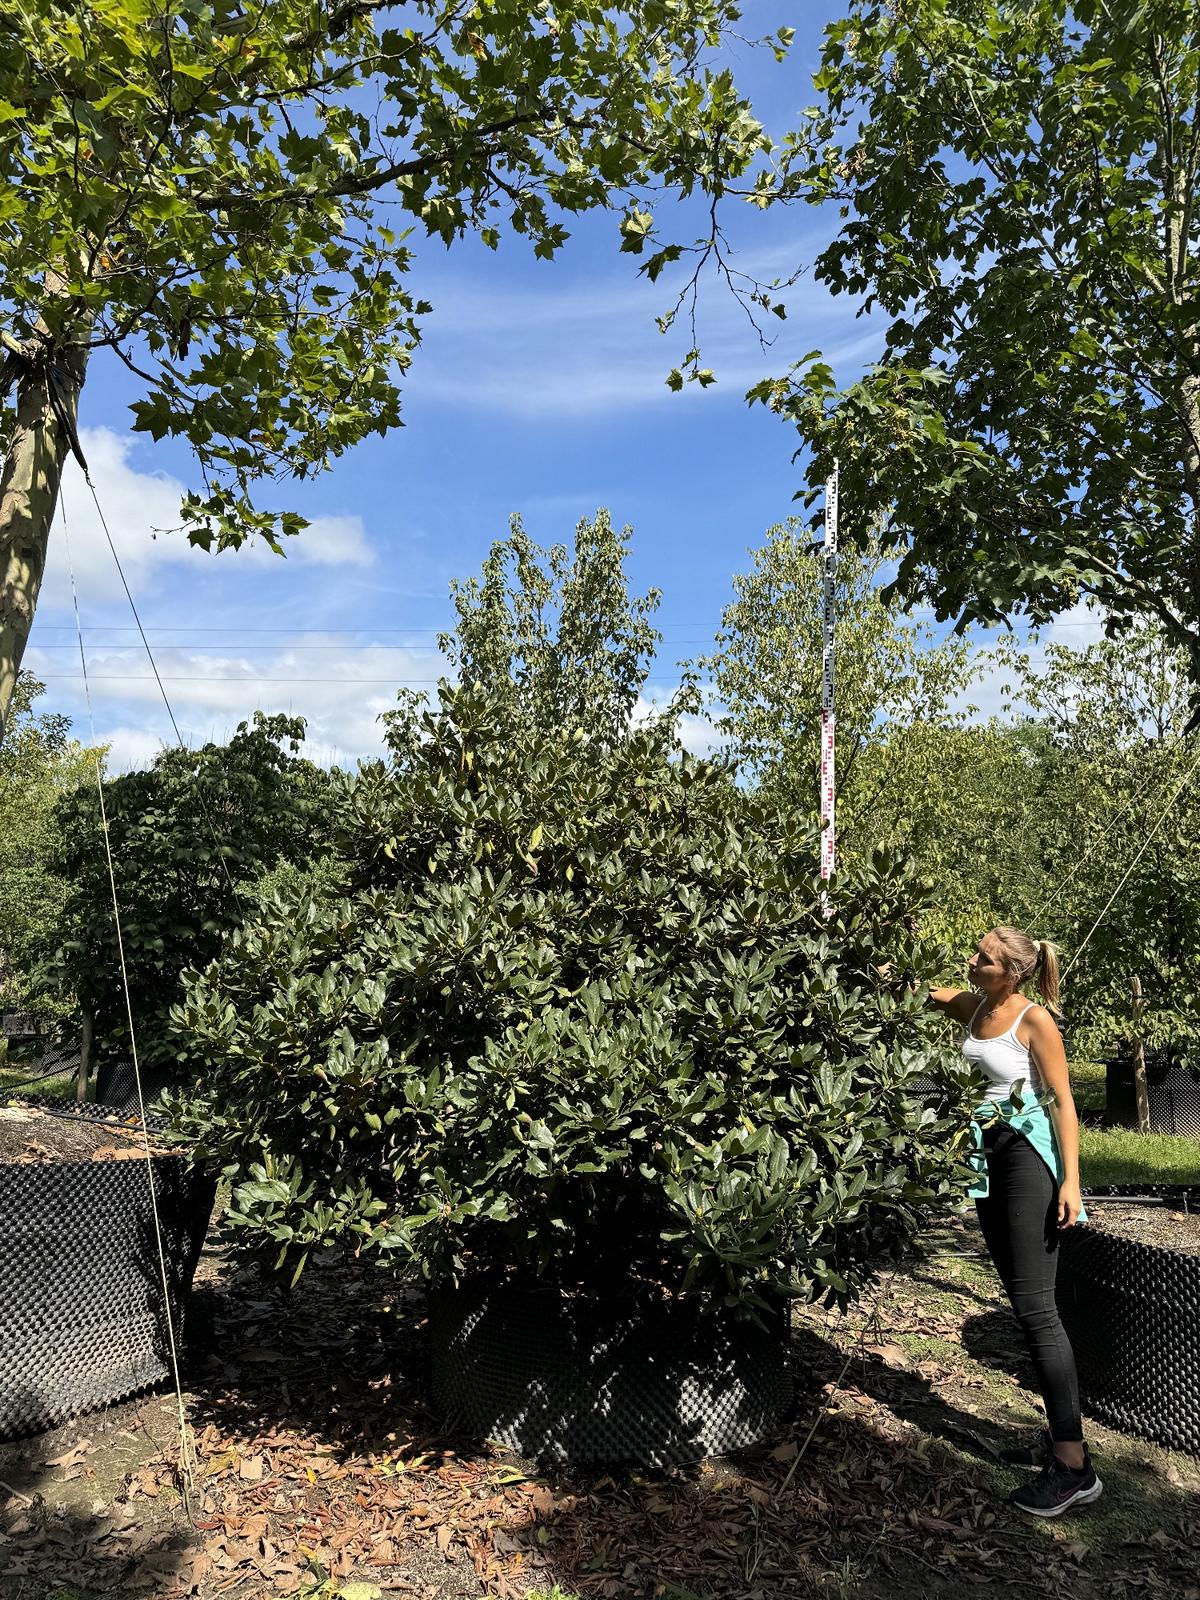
{"type": "Point", "coordinates": [572, 1011]}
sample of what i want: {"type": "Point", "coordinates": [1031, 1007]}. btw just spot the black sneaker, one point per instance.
{"type": "Point", "coordinates": [1038, 1453]}
{"type": "Point", "coordinates": [1058, 1488]}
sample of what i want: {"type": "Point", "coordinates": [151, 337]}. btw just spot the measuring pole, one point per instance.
{"type": "Point", "coordinates": [828, 778]}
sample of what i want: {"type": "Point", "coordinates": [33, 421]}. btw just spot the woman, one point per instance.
{"type": "Point", "coordinates": [1032, 1188]}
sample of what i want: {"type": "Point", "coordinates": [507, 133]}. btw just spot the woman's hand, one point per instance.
{"type": "Point", "coordinates": [1070, 1204]}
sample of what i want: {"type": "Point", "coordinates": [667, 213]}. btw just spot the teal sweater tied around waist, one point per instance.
{"type": "Point", "coordinates": [1032, 1122]}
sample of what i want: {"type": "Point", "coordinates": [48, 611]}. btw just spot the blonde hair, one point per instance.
{"type": "Point", "coordinates": [1028, 958]}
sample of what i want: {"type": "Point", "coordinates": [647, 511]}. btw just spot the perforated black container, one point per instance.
{"type": "Point", "coordinates": [1172, 1093]}
{"type": "Point", "coordinates": [82, 1314]}
{"type": "Point", "coordinates": [581, 1379]}
{"type": "Point", "coordinates": [116, 1084]}
{"type": "Point", "coordinates": [1132, 1313]}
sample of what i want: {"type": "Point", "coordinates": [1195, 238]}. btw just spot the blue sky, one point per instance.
{"type": "Point", "coordinates": [539, 389]}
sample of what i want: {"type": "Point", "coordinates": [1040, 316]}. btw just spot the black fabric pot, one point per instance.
{"type": "Point", "coordinates": [116, 1084]}
{"type": "Point", "coordinates": [1132, 1313]}
{"type": "Point", "coordinates": [1172, 1093]}
{"type": "Point", "coordinates": [585, 1379]}
{"type": "Point", "coordinates": [82, 1318]}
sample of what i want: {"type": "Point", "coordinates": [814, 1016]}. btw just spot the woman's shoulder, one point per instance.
{"type": "Point", "coordinates": [1038, 1019]}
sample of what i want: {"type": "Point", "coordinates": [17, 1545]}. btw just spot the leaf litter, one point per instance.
{"type": "Point", "coordinates": [321, 1468]}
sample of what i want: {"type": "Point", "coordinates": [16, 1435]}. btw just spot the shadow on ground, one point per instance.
{"type": "Point", "coordinates": [66, 1527]}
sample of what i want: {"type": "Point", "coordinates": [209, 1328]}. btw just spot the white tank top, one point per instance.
{"type": "Point", "coordinates": [1002, 1060]}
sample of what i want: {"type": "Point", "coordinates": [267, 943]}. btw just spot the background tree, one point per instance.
{"type": "Point", "coordinates": [976, 828]}
{"type": "Point", "coordinates": [908, 753]}
{"type": "Point", "coordinates": [561, 626]}
{"type": "Point", "coordinates": [896, 679]}
{"type": "Point", "coordinates": [195, 838]}
{"type": "Point", "coordinates": [1112, 717]}
{"type": "Point", "coordinates": [1018, 180]}
{"type": "Point", "coordinates": [39, 766]}
{"type": "Point", "coordinates": [193, 191]}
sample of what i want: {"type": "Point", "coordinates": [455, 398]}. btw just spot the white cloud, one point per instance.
{"type": "Point", "coordinates": [1081, 626]}
{"type": "Point", "coordinates": [697, 734]}
{"type": "Point", "coordinates": [340, 690]}
{"type": "Point", "coordinates": [129, 748]}
{"type": "Point", "coordinates": [327, 542]}
{"type": "Point", "coordinates": [181, 592]}
{"type": "Point", "coordinates": [142, 513]}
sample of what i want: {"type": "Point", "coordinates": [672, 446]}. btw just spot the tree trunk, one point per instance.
{"type": "Point", "coordinates": [87, 1034]}
{"type": "Point", "coordinates": [29, 488]}
{"type": "Point", "coordinates": [1140, 1093]}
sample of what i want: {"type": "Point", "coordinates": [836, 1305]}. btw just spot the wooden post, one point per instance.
{"type": "Point", "coordinates": [1140, 1094]}
{"type": "Point", "coordinates": [86, 1034]}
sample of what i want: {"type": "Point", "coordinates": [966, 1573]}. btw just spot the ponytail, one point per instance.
{"type": "Point", "coordinates": [1045, 975]}
{"type": "Point", "coordinates": [1032, 959]}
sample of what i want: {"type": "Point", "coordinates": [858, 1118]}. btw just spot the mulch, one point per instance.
{"type": "Point", "coordinates": [29, 1134]}
{"type": "Point", "coordinates": [1156, 1224]}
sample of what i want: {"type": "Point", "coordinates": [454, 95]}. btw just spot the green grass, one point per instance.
{"type": "Point", "coordinates": [1087, 1085]}
{"type": "Point", "coordinates": [1122, 1155]}
{"type": "Point", "coordinates": [60, 1088]}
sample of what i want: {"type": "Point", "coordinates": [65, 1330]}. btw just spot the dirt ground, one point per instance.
{"type": "Point", "coordinates": [30, 1134]}
{"type": "Point", "coordinates": [1149, 1224]}
{"type": "Point", "coordinates": [320, 1472]}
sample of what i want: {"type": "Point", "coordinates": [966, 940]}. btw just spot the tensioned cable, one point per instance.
{"type": "Point", "coordinates": [187, 1450]}
{"type": "Point", "coordinates": [168, 627]}
{"type": "Point", "coordinates": [1096, 843]}
{"type": "Point", "coordinates": [87, 478]}
{"type": "Point", "coordinates": [1146, 843]}
{"type": "Point", "coordinates": [212, 677]}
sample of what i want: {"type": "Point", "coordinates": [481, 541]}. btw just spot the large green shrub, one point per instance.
{"type": "Point", "coordinates": [574, 1013]}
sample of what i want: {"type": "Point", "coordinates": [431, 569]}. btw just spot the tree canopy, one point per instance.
{"type": "Point", "coordinates": [1115, 824]}
{"type": "Point", "coordinates": [192, 836]}
{"type": "Point", "coordinates": [561, 626]}
{"type": "Point", "coordinates": [897, 680]}
{"type": "Point", "coordinates": [223, 198]}
{"type": "Point", "coordinates": [40, 765]}
{"type": "Point", "coordinates": [1018, 183]}
{"type": "Point", "coordinates": [918, 768]}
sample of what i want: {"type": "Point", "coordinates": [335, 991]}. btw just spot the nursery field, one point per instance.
{"type": "Point", "coordinates": [543, 1037]}
{"type": "Point", "coordinates": [321, 1474]}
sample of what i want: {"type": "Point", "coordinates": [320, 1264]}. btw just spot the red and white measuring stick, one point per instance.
{"type": "Point", "coordinates": [828, 723]}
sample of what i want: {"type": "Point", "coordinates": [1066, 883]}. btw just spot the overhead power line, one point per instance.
{"type": "Point", "coordinates": [168, 627]}
{"type": "Point", "coordinates": [349, 633]}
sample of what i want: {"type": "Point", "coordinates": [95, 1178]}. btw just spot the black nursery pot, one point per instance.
{"type": "Point", "coordinates": [1132, 1313]}
{"type": "Point", "coordinates": [117, 1084]}
{"type": "Point", "coordinates": [82, 1315]}
{"type": "Point", "coordinates": [576, 1378]}
{"type": "Point", "coordinates": [1172, 1093]}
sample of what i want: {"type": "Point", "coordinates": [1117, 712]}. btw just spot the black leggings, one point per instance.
{"type": "Point", "coordinates": [1019, 1219]}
